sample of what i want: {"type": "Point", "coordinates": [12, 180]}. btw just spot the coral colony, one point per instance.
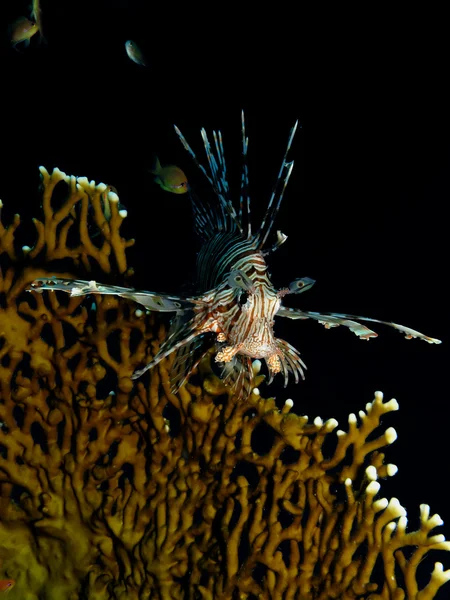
{"type": "Point", "coordinates": [113, 488]}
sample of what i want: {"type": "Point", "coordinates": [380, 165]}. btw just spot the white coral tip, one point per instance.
{"type": "Point", "coordinates": [396, 508]}
{"type": "Point", "coordinates": [138, 312]}
{"type": "Point", "coordinates": [113, 197]}
{"type": "Point", "coordinates": [390, 435]}
{"type": "Point", "coordinates": [435, 521]}
{"type": "Point", "coordinates": [83, 180]}
{"type": "Point", "coordinates": [424, 512]}
{"type": "Point", "coordinates": [371, 473]}
{"type": "Point", "coordinates": [256, 391]}
{"type": "Point", "coordinates": [331, 424]}
{"type": "Point", "coordinates": [380, 504]}
{"type": "Point", "coordinates": [318, 422]}
{"type": "Point", "coordinates": [391, 469]}
{"type": "Point", "coordinates": [373, 488]}
{"type": "Point", "coordinates": [26, 249]}
{"type": "Point", "coordinates": [123, 213]}
{"type": "Point", "coordinates": [289, 403]}
{"type": "Point", "coordinates": [439, 573]}
{"type": "Point", "coordinates": [101, 187]}
{"type": "Point", "coordinates": [437, 539]}
{"type": "Point", "coordinates": [256, 366]}
{"type": "Point", "coordinates": [352, 418]}
{"type": "Point", "coordinates": [348, 482]}
{"type": "Point", "coordinates": [340, 433]}
{"type": "Point", "coordinates": [379, 395]}
{"type": "Point", "coordinates": [392, 404]}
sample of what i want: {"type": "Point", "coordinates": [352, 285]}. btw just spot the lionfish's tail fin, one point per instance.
{"type": "Point", "coordinates": [277, 194]}
{"type": "Point", "coordinates": [80, 287]}
{"type": "Point", "coordinates": [223, 217]}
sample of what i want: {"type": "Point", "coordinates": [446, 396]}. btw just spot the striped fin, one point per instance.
{"type": "Point", "coordinates": [244, 201]}
{"type": "Point", "coordinates": [80, 287]}
{"type": "Point", "coordinates": [166, 348]}
{"type": "Point", "coordinates": [226, 215]}
{"type": "Point", "coordinates": [350, 321]}
{"type": "Point", "coordinates": [277, 194]}
{"type": "Point", "coordinates": [183, 332]}
{"type": "Point", "coordinates": [291, 362]}
{"type": "Point", "coordinates": [238, 375]}
{"type": "Point", "coordinates": [187, 358]}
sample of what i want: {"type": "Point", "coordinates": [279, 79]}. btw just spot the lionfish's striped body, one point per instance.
{"type": "Point", "coordinates": [236, 303]}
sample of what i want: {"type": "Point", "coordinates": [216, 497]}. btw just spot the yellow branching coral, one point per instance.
{"type": "Point", "coordinates": [114, 489]}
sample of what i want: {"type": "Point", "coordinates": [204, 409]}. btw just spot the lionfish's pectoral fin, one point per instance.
{"type": "Point", "coordinates": [328, 320]}
{"type": "Point", "coordinates": [289, 362]}
{"type": "Point", "coordinates": [409, 333]}
{"type": "Point", "coordinates": [78, 287]}
{"type": "Point", "coordinates": [174, 342]}
{"type": "Point", "coordinates": [351, 321]}
{"type": "Point", "coordinates": [187, 358]}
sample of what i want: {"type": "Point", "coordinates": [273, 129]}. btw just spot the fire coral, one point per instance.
{"type": "Point", "coordinates": [114, 489]}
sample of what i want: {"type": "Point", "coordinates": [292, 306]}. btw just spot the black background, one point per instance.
{"type": "Point", "coordinates": [366, 207]}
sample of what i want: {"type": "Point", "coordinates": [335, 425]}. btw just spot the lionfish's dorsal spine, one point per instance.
{"type": "Point", "coordinates": [244, 201]}
{"type": "Point", "coordinates": [225, 219]}
{"type": "Point", "coordinates": [277, 194]}
{"type": "Point", "coordinates": [211, 220]}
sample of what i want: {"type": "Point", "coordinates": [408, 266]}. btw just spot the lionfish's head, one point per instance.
{"type": "Point", "coordinates": [250, 331]}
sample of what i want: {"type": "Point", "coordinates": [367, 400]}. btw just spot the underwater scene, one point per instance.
{"type": "Point", "coordinates": [223, 296]}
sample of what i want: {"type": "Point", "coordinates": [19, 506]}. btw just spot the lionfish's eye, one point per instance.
{"type": "Point", "coordinates": [301, 285]}
{"type": "Point", "coordinates": [242, 298]}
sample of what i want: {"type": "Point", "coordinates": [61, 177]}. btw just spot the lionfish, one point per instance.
{"type": "Point", "coordinates": [236, 303]}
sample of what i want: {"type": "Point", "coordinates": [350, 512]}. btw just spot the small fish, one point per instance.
{"type": "Point", "coordinates": [6, 585]}
{"type": "Point", "coordinates": [170, 178]}
{"type": "Point", "coordinates": [22, 30]}
{"type": "Point", "coordinates": [36, 14]}
{"type": "Point", "coordinates": [135, 53]}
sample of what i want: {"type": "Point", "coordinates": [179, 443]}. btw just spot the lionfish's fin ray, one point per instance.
{"type": "Point", "coordinates": [291, 361]}
{"type": "Point", "coordinates": [328, 320]}
{"type": "Point", "coordinates": [238, 375]}
{"type": "Point", "coordinates": [244, 201]}
{"type": "Point", "coordinates": [277, 194]}
{"type": "Point", "coordinates": [170, 344]}
{"type": "Point", "coordinates": [187, 358]}
{"type": "Point", "coordinates": [226, 216]}
{"type": "Point", "coordinates": [151, 300]}
{"type": "Point", "coordinates": [351, 321]}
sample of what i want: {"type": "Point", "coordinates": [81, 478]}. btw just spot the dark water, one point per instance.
{"type": "Point", "coordinates": [365, 210]}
